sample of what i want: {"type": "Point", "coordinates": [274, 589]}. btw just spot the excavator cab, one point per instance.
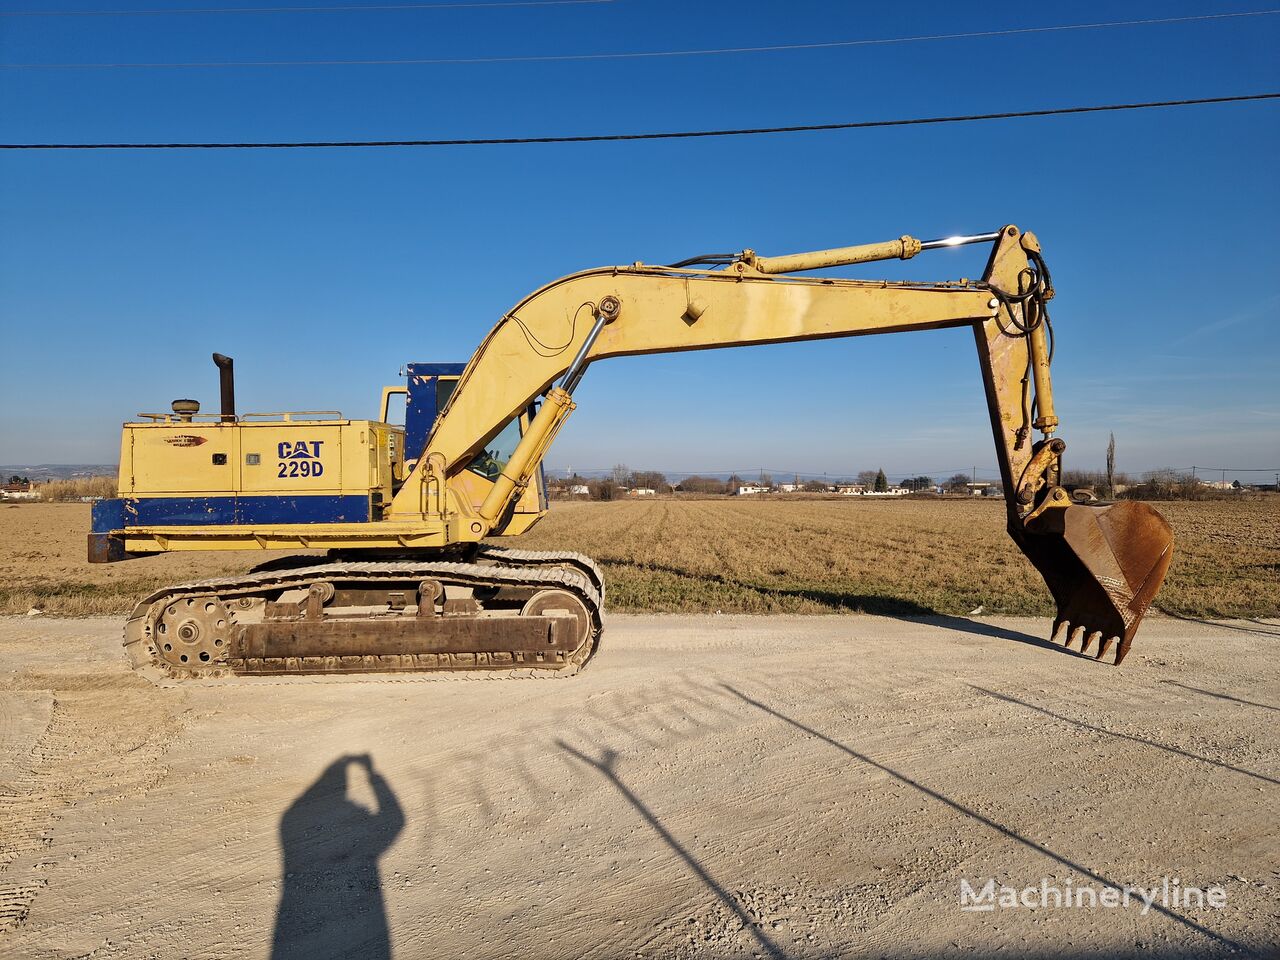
{"type": "Point", "coordinates": [427, 391]}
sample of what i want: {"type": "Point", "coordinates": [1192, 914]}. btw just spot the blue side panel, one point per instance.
{"type": "Point", "coordinates": [179, 511]}
{"type": "Point", "coordinates": [120, 514]}
{"type": "Point", "coordinates": [108, 515]}
{"type": "Point", "coordinates": [421, 408]}
{"type": "Point", "coordinates": [349, 509]}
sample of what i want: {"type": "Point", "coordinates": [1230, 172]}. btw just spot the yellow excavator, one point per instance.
{"type": "Point", "coordinates": [411, 581]}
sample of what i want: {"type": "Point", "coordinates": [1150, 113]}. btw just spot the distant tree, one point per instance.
{"type": "Point", "coordinates": [867, 478]}
{"type": "Point", "coordinates": [881, 482]}
{"type": "Point", "coordinates": [603, 489]}
{"type": "Point", "coordinates": [917, 484]}
{"type": "Point", "coordinates": [1169, 484]}
{"type": "Point", "coordinates": [697, 484]}
{"type": "Point", "coordinates": [732, 484]}
{"type": "Point", "coordinates": [1075, 479]}
{"type": "Point", "coordinates": [766, 479]}
{"type": "Point", "coordinates": [651, 479]}
{"type": "Point", "coordinates": [620, 474]}
{"type": "Point", "coordinates": [815, 486]}
{"type": "Point", "coordinates": [958, 482]}
{"type": "Point", "coordinates": [1111, 467]}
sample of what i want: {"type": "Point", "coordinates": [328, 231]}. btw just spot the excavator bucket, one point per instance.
{"type": "Point", "coordinates": [1103, 565]}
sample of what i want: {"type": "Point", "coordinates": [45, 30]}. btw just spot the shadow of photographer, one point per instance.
{"type": "Point", "coordinates": [331, 904]}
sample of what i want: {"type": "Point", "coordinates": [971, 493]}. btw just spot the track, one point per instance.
{"type": "Point", "coordinates": [382, 632]}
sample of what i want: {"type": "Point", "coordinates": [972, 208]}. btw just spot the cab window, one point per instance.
{"type": "Point", "coordinates": [490, 461]}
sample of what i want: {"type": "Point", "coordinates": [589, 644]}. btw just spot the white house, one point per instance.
{"type": "Point", "coordinates": [748, 489]}
{"type": "Point", "coordinates": [641, 492]}
{"type": "Point", "coordinates": [579, 490]}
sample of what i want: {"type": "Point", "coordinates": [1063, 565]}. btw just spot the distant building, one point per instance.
{"type": "Point", "coordinates": [641, 492]}
{"type": "Point", "coordinates": [860, 490]}
{"type": "Point", "coordinates": [579, 490]}
{"type": "Point", "coordinates": [891, 492]}
{"type": "Point", "coordinates": [19, 491]}
{"type": "Point", "coordinates": [788, 487]}
{"type": "Point", "coordinates": [749, 488]}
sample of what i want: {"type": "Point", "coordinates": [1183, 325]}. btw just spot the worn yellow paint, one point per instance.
{"type": "Point", "coordinates": [663, 309]}
{"type": "Point", "coordinates": [170, 457]}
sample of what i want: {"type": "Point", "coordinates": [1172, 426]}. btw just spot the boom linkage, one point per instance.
{"type": "Point", "coordinates": [654, 309]}
{"type": "Point", "coordinates": [1103, 565]}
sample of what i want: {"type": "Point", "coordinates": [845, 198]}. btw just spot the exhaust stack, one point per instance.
{"type": "Point", "coordinates": [227, 386]}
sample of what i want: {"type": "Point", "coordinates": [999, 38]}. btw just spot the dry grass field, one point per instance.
{"type": "Point", "coordinates": [741, 556]}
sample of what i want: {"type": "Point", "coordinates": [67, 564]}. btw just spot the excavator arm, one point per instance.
{"type": "Point", "coordinates": [1103, 565]}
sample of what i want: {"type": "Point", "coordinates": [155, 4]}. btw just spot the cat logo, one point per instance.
{"type": "Point", "coordinates": [300, 458]}
{"type": "Point", "coordinates": [185, 440]}
{"type": "Point", "coordinates": [301, 450]}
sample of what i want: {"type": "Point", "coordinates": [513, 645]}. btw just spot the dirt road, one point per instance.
{"type": "Point", "coordinates": [711, 786]}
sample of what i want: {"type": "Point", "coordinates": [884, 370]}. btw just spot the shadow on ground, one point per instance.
{"type": "Point", "coordinates": [1274, 630]}
{"type": "Point", "coordinates": [839, 601]}
{"type": "Point", "coordinates": [331, 904]}
{"type": "Point", "coordinates": [1215, 939]}
{"type": "Point", "coordinates": [606, 765]}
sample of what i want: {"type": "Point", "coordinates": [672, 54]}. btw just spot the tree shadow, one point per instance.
{"type": "Point", "coordinates": [331, 904]}
{"type": "Point", "coordinates": [1223, 626]}
{"type": "Point", "coordinates": [980, 629]}
{"type": "Point", "coordinates": [976, 816]}
{"type": "Point", "coordinates": [835, 600]}
{"type": "Point", "coordinates": [879, 605]}
{"type": "Point", "coordinates": [606, 765]}
{"type": "Point", "coordinates": [1125, 736]}
{"type": "Point", "coordinates": [1221, 696]}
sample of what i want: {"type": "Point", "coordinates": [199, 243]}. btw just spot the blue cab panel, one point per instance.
{"type": "Point", "coordinates": [427, 395]}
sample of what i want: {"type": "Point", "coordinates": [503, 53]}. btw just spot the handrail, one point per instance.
{"type": "Point", "coordinates": [288, 416]}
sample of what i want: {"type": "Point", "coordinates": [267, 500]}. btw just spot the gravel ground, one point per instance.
{"type": "Point", "coordinates": [712, 786]}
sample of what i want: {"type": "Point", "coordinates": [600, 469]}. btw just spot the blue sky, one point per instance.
{"type": "Point", "coordinates": [322, 271]}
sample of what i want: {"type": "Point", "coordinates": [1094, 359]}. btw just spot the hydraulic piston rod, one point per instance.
{"type": "Point", "coordinates": [904, 248]}
{"type": "Point", "coordinates": [557, 406]}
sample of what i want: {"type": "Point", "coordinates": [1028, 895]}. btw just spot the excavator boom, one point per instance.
{"type": "Point", "coordinates": [1103, 564]}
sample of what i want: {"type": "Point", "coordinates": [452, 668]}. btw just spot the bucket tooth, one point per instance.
{"type": "Point", "coordinates": [1061, 630]}
{"type": "Point", "coordinates": [1122, 650]}
{"type": "Point", "coordinates": [1090, 640]}
{"type": "Point", "coordinates": [1076, 636]}
{"type": "Point", "coordinates": [1106, 644]}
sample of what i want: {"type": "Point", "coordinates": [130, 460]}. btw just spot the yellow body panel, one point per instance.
{"type": "Point", "coordinates": [270, 457]}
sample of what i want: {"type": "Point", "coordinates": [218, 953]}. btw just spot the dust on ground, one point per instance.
{"type": "Point", "coordinates": [730, 786]}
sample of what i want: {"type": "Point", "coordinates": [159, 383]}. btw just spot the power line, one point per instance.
{"type": "Point", "coordinates": [350, 8]}
{"type": "Point", "coordinates": [554, 58]}
{"type": "Point", "coordinates": [616, 137]}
